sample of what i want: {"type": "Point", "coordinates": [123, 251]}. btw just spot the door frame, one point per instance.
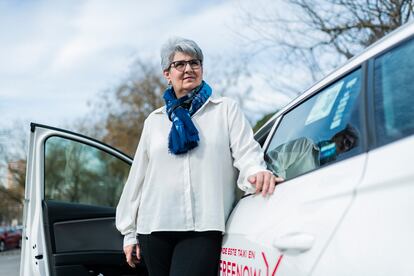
{"type": "Point", "coordinates": [36, 250]}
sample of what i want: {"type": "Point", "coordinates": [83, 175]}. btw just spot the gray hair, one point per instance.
{"type": "Point", "coordinates": [178, 44]}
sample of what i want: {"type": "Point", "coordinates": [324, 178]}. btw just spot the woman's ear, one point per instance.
{"type": "Point", "coordinates": [167, 76]}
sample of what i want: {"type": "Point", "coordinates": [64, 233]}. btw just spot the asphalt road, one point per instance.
{"type": "Point", "coordinates": [10, 262]}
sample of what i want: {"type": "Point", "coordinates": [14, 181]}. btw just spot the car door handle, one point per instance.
{"type": "Point", "coordinates": [294, 243]}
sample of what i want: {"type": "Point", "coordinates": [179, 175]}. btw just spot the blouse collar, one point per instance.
{"type": "Point", "coordinates": [213, 99]}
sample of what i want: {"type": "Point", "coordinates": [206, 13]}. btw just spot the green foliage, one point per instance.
{"type": "Point", "coordinates": [262, 121]}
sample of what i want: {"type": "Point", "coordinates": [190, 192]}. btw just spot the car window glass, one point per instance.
{"type": "Point", "coordinates": [394, 87]}
{"type": "Point", "coordinates": [323, 129]}
{"type": "Point", "coordinates": [79, 173]}
{"type": "Point", "coordinates": [261, 135]}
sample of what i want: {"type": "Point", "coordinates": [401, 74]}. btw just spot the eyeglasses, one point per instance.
{"type": "Point", "coordinates": [180, 65]}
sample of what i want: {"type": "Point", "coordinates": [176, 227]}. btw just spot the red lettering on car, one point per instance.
{"type": "Point", "coordinates": [267, 264]}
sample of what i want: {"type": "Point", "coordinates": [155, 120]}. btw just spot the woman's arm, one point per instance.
{"type": "Point", "coordinates": [248, 155]}
{"type": "Point", "coordinates": [127, 209]}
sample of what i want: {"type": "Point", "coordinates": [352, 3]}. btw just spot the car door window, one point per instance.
{"type": "Point", "coordinates": [261, 135]}
{"type": "Point", "coordinates": [394, 87]}
{"type": "Point", "coordinates": [80, 173]}
{"type": "Point", "coordinates": [322, 130]}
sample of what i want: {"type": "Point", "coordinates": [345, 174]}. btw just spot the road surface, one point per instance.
{"type": "Point", "coordinates": [10, 262]}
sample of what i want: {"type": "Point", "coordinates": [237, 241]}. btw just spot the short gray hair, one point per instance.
{"type": "Point", "coordinates": [179, 44]}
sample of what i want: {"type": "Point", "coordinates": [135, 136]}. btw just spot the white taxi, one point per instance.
{"type": "Point", "coordinates": [345, 148]}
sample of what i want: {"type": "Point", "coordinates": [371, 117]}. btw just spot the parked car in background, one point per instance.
{"type": "Point", "coordinates": [9, 238]}
{"type": "Point", "coordinates": [19, 228]}
{"type": "Point", "coordinates": [345, 148]}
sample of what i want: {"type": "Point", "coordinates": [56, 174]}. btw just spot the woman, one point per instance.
{"type": "Point", "coordinates": [180, 189]}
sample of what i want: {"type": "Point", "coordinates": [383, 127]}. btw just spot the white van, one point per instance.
{"type": "Point", "coordinates": [345, 147]}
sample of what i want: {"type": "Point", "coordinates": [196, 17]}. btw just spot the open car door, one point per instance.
{"type": "Point", "coordinates": [73, 185]}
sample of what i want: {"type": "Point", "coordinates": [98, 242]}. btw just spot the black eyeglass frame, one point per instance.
{"type": "Point", "coordinates": [197, 66]}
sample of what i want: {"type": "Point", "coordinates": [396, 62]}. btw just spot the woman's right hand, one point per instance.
{"type": "Point", "coordinates": [132, 254]}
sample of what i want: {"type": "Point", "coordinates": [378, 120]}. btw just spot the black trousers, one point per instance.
{"type": "Point", "coordinates": [181, 253]}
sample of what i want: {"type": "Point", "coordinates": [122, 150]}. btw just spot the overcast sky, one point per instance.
{"type": "Point", "coordinates": [55, 56]}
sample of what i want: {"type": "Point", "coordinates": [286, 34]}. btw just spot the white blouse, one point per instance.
{"type": "Point", "coordinates": [194, 191]}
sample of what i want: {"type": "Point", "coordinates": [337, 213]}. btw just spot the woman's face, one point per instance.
{"type": "Point", "coordinates": [185, 81]}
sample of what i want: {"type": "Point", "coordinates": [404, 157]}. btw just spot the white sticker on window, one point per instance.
{"type": "Point", "coordinates": [351, 82]}
{"type": "Point", "coordinates": [336, 123]}
{"type": "Point", "coordinates": [339, 113]}
{"type": "Point", "coordinates": [324, 103]}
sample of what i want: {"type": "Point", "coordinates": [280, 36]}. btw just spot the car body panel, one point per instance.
{"type": "Point", "coordinates": [377, 229]}
{"type": "Point", "coordinates": [34, 258]}
{"type": "Point", "coordinates": [298, 220]}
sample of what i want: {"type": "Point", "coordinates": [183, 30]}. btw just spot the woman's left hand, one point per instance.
{"type": "Point", "coordinates": [264, 182]}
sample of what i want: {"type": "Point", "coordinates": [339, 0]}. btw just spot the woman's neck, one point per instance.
{"type": "Point", "coordinates": [181, 93]}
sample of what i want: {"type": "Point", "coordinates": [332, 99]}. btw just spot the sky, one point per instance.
{"type": "Point", "coordinates": [56, 56]}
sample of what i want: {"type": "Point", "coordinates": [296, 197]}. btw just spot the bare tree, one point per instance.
{"type": "Point", "coordinates": [13, 158]}
{"type": "Point", "coordinates": [123, 109]}
{"type": "Point", "coordinates": [350, 25]}
{"type": "Point", "coordinates": [231, 75]}
{"type": "Point", "coordinates": [318, 35]}
{"type": "Point", "coordinates": [228, 78]}
{"type": "Point", "coordinates": [13, 171]}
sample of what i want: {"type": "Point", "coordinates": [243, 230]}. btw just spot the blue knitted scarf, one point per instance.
{"type": "Point", "coordinates": [183, 134]}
